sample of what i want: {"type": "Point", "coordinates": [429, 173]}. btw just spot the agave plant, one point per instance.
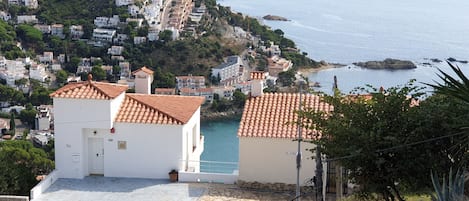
{"type": "Point", "coordinates": [451, 189]}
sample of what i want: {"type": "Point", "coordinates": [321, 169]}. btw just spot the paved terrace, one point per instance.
{"type": "Point", "coordinates": [120, 189]}
{"type": "Point", "coordinates": [96, 188]}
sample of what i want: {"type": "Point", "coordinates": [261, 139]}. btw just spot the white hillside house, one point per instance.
{"type": "Point", "coordinates": [102, 130]}
{"type": "Point", "coordinates": [267, 150]}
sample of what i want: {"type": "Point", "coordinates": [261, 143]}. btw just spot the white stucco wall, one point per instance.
{"type": "Point", "coordinates": [190, 139]}
{"type": "Point", "coordinates": [115, 105]}
{"type": "Point", "coordinates": [151, 150]}
{"type": "Point", "coordinates": [70, 117]}
{"type": "Point", "coordinates": [270, 160]}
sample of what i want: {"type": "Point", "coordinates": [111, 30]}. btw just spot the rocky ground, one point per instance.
{"type": "Point", "coordinates": [223, 192]}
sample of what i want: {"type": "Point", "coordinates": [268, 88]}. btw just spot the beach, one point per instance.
{"type": "Point", "coordinates": [308, 71]}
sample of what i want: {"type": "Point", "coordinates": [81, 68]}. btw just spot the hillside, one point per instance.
{"type": "Point", "coordinates": [190, 54]}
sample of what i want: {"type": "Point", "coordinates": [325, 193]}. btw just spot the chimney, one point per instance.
{"type": "Point", "coordinates": [143, 80]}
{"type": "Point", "coordinates": [257, 83]}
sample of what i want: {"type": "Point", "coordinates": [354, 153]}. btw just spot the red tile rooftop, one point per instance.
{"type": "Point", "coordinates": [162, 90]}
{"type": "Point", "coordinates": [271, 115]}
{"type": "Point", "coordinates": [189, 77]}
{"type": "Point", "coordinates": [90, 90]}
{"type": "Point", "coordinates": [158, 109]}
{"type": "Point", "coordinates": [144, 69]}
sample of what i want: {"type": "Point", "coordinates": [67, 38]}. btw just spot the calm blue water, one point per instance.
{"type": "Point", "coordinates": [221, 144]}
{"type": "Point", "coordinates": [352, 76]}
{"type": "Point", "coordinates": [362, 30]}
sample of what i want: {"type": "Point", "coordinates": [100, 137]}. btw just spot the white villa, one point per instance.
{"type": "Point", "coordinates": [108, 22]}
{"type": "Point", "coordinates": [267, 150]}
{"type": "Point", "coordinates": [57, 30]}
{"type": "Point", "coordinates": [26, 19]}
{"type": "Point", "coordinates": [103, 34]}
{"type": "Point", "coordinates": [11, 70]}
{"type": "Point", "coordinates": [38, 72]}
{"type": "Point", "coordinates": [100, 129]}
{"type": "Point", "coordinates": [76, 31]}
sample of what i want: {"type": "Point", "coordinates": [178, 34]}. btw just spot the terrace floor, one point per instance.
{"type": "Point", "coordinates": [97, 188]}
{"type": "Point", "coordinates": [119, 189]}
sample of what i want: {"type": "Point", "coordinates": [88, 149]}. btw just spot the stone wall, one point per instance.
{"type": "Point", "coordinates": [276, 187]}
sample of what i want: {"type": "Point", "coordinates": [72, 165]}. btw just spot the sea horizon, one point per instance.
{"type": "Point", "coordinates": [359, 30]}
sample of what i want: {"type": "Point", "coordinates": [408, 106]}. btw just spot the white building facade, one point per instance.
{"type": "Point", "coordinates": [102, 130]}
{"type": "Point", "coordinates": [228, 72]}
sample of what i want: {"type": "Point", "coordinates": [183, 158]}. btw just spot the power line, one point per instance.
{"type": "Point", "coordinates": [400, 146]}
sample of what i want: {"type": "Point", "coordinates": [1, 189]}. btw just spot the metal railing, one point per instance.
{"type": "Point", "coordinates": [214, 166]}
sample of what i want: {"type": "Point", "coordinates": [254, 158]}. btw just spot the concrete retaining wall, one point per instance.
{"type": "Point", "coordinates": [208, 177]}
{"type": "Point", "coordinates": [13, 198]}
{"type": "Point", "coordinates": [42, 186]}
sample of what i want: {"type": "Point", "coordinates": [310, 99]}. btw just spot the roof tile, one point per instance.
{"type": "Point", "coordinates": [158, 109]}
{"type": "Point", "coordinates": [271, 115]}
{"type": "Point", "coordinates": [144, 69]}
{"type": "Point", "coordinates": [90, 90]}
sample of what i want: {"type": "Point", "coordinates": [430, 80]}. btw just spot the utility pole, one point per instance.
{"type": "Point", "coordinates": [319, 188]}
{"type": "Point", "coordinates": [298, 153]}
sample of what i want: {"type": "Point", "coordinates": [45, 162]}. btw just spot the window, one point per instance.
{"type": "Point", "coordinates": [194, 137]}
{"type": "Point", "coordinates": [122, 145]}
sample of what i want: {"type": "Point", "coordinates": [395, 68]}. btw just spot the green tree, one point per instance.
{"type": "Point", "coordinates": [7, 32]}
{"type": "Point", "coordinates": [163, 79]}
{"type": "Point", "coordinates": [381, 138]}
{"type": "Point", "coordinates": [166, 35]}
{"type": "Point", "coordinates": [12, 122]}
{"type": "Point", "coordinates": [11, 95]}
{"type": "Point", "coordinates": [61, 77]}
{"type": "Point", "coordinates": [239, 98]}
{"type": "Point", "coordinates": [20, 163]}
{"type": "Point", "coordinates": [98, 73]}
{"type": "Point", "coordinates": [21, 82]}
{"type": "Point", "coordinates": [286, 78]}
{"type": "Point", "coordinates": [28, 116]}
{"type": "Point", "coordinates": [39, 94]}
{"type": "Point", "coordinates": [29, 33]}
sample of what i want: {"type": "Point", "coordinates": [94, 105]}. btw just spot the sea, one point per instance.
{"type": "Point", "coordinates": [362, 30]}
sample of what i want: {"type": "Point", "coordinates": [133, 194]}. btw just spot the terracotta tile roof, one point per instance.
{"type": "Point", "coordinates": [257, 75]}
{"type": "Point", "coordinates": [271, 115]}
{"type": "Point", "coordinates": [90, 90]}
{"type": "Point", "coordinates": [190, 77]}
{"type": "Point", "coordinates": [163, 90]}
{"type": "Point", "coordinates": [144, 69]}
{"type": "Point", "coordinates": [158, 109]}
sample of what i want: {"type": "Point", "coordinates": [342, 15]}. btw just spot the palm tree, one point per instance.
{"type": "Point", "coordinates": [453, 87]}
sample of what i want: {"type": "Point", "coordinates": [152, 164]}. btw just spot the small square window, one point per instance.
{"type": "Point", "coordinates": [122, 145]}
